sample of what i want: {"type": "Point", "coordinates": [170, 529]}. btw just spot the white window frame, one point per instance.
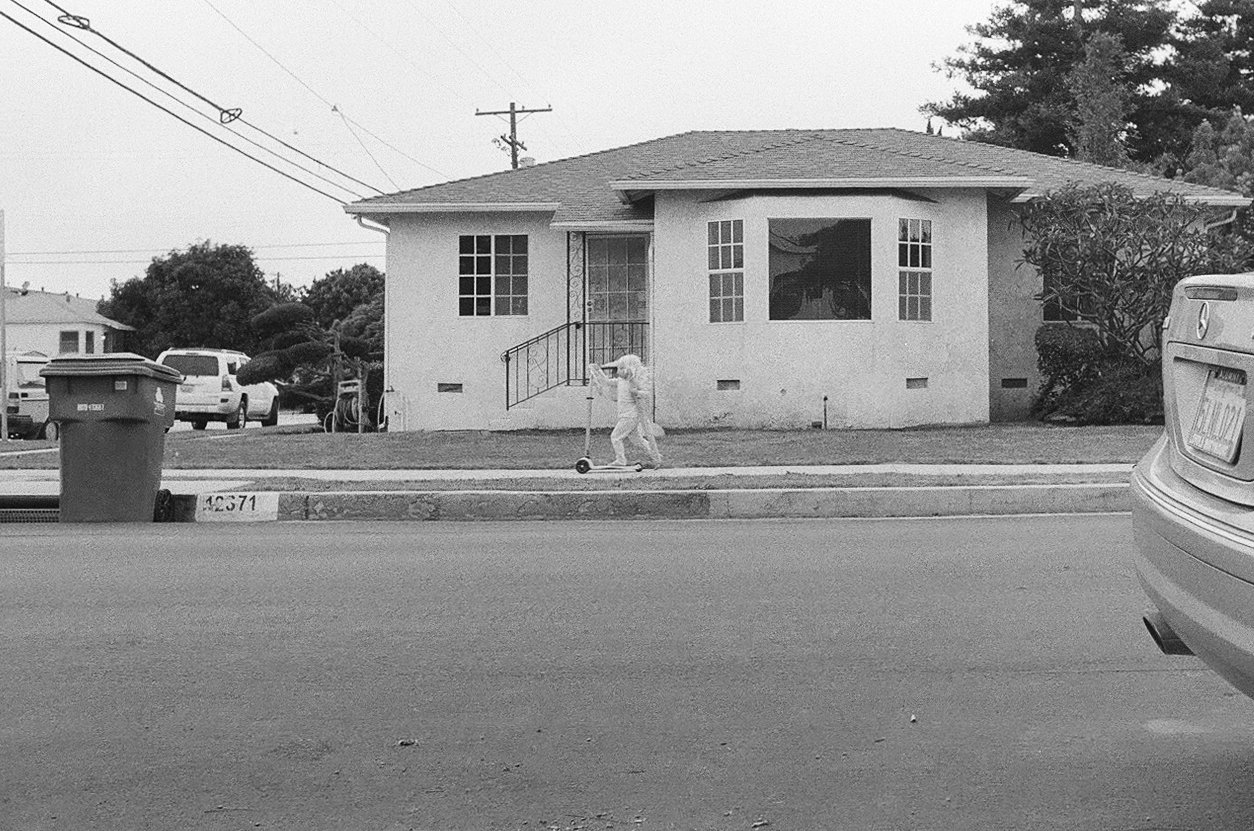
{"type": "Point", "coordinates": [915, 270]}
{"type": "Point", "coordinates": [725, 261]}
{"type": "Point", "coordinates": [492, 276]}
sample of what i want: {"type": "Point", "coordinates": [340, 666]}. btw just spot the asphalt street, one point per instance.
{"type": "Point", "coordinates": [820, 674]}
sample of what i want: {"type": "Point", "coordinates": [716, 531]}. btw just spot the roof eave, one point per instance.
{"type": "Point", "coordinates": [392, 208]}
{"type": "Point", "coordinates": [628, 190]}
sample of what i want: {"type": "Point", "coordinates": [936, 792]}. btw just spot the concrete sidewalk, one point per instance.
{"type": "Point", "coordinates": [234, 495]}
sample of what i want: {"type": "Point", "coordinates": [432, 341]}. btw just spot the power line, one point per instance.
{"type": "Point", "coordinates": [225, 117]}
{"type": "Point", "coordinates": [147, 250]}
{"type": "Point", "coordinates": [166, 110]}
{"type": "Point", "coordinates": [278, 259]}
{"type": "Point", "coordinates": [320, 97]}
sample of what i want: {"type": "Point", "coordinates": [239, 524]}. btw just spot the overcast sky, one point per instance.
{"type": "Point", "coordinates": [386, 93]}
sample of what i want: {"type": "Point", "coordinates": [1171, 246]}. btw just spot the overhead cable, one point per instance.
{"type": "Point", "coordinates": [320, 97]}
{"type": "Point", "coordinates": [223, 119]}
{"type": "Point", "coordinates": [168, 111]}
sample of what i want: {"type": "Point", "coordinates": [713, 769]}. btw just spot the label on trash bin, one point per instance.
{"type": "Point", "coordinates": [237, 507]}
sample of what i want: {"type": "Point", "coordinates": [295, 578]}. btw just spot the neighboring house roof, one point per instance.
{"type": "Point", "coordinates": [45, 307]}
{"type": "Point", "coordinates": [614, 186]}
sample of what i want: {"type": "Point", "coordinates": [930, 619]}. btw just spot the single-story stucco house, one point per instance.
{"type": "Point", "coordinates": [776, 278]}
{"type": "Point", "coordinates": [58, 323]}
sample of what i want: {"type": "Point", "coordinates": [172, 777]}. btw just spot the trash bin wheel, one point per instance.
{"type": "Point", "coordinates": [51, 431]}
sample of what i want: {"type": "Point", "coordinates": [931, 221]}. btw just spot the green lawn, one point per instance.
{"type": "Point", "coordinates": [296, 448]}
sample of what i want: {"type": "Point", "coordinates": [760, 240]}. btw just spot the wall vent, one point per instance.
{"type": "Point", "coordinates": [448, 387]}
{"type": "Point", "coordinates": [916, 383]}
{"type": "Point", "coordinates": [1014, 383]}
{"type": "Point", "coordinates": [729, 384]}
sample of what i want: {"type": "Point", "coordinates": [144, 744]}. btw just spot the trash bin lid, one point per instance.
{"type": "Point", "coordinates": [110, 363]}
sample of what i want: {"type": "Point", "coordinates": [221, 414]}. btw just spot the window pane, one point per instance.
{"type": "Point", "coordinates": [903, 254]}
{"type": "Point", "coordinates": [466, 306]}
{"type": "Point", "coordinates": [520, 305]}
{"type": "Point", "coordinates": [738, 230]}
{"type": "Point", "coordinates": [821, 269]}
{"type": "Point", "coordinates": [926, 261]}
{"type": "Point", "coordinates": [483, 285]}
{"type": "Point", "coordinates": [925, 284]}
{"type": "Point", "coordinates": [903, 282]}
{"type": "Point", "coordinates": [738, 312]}
{"type": "Point", "coordinates": [927, 231]}
{"type": "Point", "coordinates": [738, 256]}
{"type": "Point", "coordinates": [713, 259]}
{"type": "Point", "coordinates": [637, 249]}
{"type": "Point", "coordinates": [712, 236]}
{"type": "Point", "coordinates": [903, 230]}
{"type": "Point", "coordinates": [901, 308]}
{"type": "Point", "coordinates": [483, 245]}
{"type": "Point", "coordinates": [716, 285]}
{"type": "Point", "coordinates": [520, 284]}
{"type": "Point", "coordinates": [716, 308]}
{"type": "Point", "coordinates": [466, 245]}
{"type": "Point", "coordinates": [726, 256]}
{"type": "Point", "coordinates": [503, 264]}
{"type": "Point", "coordinates": [483, 305]}
{"type": "Point", "coordinates": [925, 308]}
{"type": "Point", "coordinates": [465, 285]}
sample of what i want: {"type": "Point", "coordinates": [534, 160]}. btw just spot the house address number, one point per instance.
{"type": "Point", "coordinates": [237, 507]}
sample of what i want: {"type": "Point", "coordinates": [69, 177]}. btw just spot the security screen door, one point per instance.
{"type": "Point", "coordinates": [618, 297]}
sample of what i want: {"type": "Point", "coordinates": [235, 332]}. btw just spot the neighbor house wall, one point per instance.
{"type": "Point", "coordinates": [1014, 315]}
{"type": "Point", "coordinates": [429, 343]}
{"type": "Point", "coordinates": [786, 368]}
{"type": "Point", "coordinates": [46, 337]}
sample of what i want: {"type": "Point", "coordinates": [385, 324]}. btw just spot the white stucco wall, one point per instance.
{"type": "Point", "coordinates": [785, 368]}
{"type": "Point", "coordinates": [428, 343]}
{"type": "Point", "coordinates": [1014, 316]}
{"type": "Point", "coordinates": [46, 337]}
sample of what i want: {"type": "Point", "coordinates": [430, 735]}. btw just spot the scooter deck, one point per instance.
{"type": "Point", "coordinates": [585, 465]}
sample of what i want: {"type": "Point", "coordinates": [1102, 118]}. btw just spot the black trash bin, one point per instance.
{"type": "Point", "coordinates": [113, 411]}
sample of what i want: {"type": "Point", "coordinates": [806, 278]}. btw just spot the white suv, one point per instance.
{"type": "Point", "coordinates": [210, 392]}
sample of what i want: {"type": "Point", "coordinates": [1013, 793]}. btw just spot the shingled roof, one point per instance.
{"type": "Point", "coordinates": [46, 307]}
{"type": "Point", "coordinates": [614, 185]}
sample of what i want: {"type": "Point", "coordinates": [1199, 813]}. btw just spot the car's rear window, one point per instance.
{"type": "Point", "coordinates": [192, 364]}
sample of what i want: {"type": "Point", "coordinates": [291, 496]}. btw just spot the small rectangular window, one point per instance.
{"type": "Point", "coordinates": [68, 343]}
{"type": "Point", "coordinates": [448, 387]}
{"type": "Point", "coordinates": [914, 259]}
{"type": "Point", "coordinates": [90, 346]}
{"type": "Point", "coordinates": [726, 260]}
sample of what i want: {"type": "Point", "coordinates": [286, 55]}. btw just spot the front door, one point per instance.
{"type": "Point", "coordinates": [618, 297]}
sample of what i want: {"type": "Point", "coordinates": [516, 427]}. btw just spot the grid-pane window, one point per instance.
{"type": "Point", "coordinates": [69, 343]}
{"type": "Point", "coordinates": [726, 260]}
{"type": "Point", "coordinates": [914, 277]}
{"type": "Point", "coordinates": [492, 275]}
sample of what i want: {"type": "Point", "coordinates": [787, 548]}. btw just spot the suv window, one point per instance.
{"type": "Point", "coordinates": [192, 364]}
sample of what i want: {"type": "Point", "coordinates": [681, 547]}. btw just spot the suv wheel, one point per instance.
{"type": "Point", "coordinates": [199, 424]}
{"type": "Point", "coordinates": [240, 418]}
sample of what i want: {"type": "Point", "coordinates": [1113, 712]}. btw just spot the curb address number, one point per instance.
{"type": "Point", "coordinates": [237, 507]}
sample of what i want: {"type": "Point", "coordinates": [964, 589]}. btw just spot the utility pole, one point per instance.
{"type": "Point", "coordinates": [512, 139]}
{"type": "Point", "coordinates": [4, 346]}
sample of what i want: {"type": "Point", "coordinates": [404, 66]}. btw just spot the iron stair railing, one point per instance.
{"type": "Point", "coordinates": [558, 357]}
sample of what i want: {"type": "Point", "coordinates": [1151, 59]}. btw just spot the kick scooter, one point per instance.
{"type": "Point", "coordinates": [585, 464]}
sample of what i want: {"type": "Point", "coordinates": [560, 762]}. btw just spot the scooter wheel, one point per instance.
{"type": "Point", "coordinates": [583, 466]}
{"type": "Point", "coordinates": [638, 467]}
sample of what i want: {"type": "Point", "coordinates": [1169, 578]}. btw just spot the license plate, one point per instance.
{"type": "Point", "coordinates": [1217, 426]}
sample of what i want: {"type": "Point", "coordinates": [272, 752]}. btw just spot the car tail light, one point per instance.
{"type": "Point", "coordinates": [226, 383]}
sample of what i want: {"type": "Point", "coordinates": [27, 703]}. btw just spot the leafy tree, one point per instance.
{"type": "Point", "coordinates": [1020, 68]}
{"type": "Point", "coordinates": [1212, 69]}
{"type": "Point", "coordinates": [308, 359]}
{"type": "Point", "coordinates": [1224, 158]}
{"type": "Point", "coordinates": [205, 296]}
{"type": "Point", "coordinates": [1102, 103]}
{"type": "Point", "coordinates": [335, 296]}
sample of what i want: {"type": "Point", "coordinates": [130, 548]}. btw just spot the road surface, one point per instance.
{"type": "Point", "coordinates": [970, 673]}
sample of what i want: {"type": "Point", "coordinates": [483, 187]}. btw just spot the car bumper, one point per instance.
{"type": "Point", "coordinates": [1196, 563]}
{"type": "Point", "coordinates": [215, 408]}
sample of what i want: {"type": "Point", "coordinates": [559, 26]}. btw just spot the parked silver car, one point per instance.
{"type": "Point", "coordinates": [1193, 512]}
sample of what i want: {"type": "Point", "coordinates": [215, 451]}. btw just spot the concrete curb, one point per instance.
{"type": "Point", "coordinates": [757, 503]}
